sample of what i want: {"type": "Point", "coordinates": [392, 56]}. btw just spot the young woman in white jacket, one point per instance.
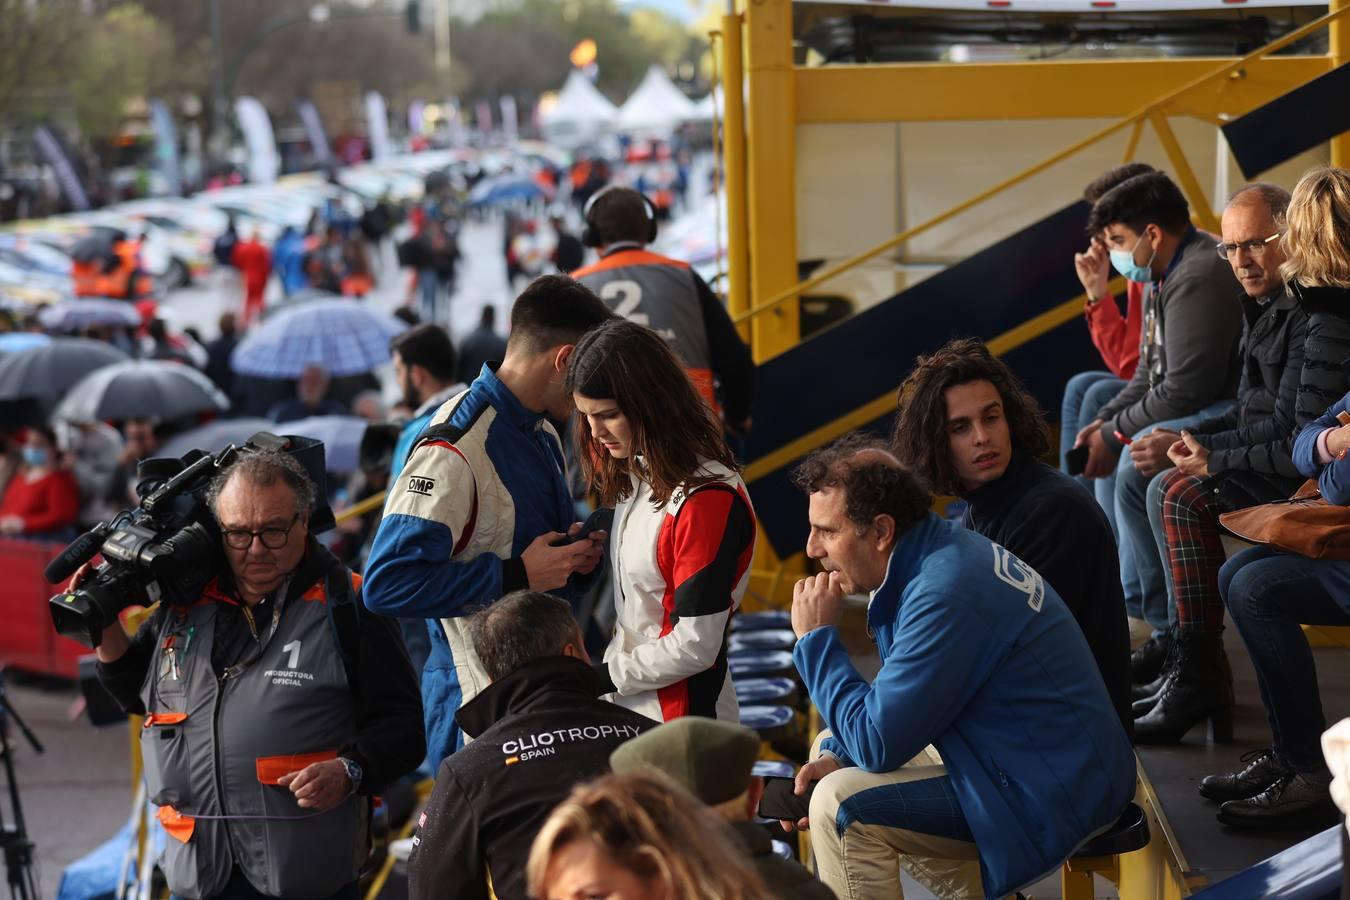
{"type": "Point", "coordinates": [684, 530]}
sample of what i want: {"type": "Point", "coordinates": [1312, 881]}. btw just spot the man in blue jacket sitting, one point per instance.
{"type": "Point", "coordinates": [986, 750]}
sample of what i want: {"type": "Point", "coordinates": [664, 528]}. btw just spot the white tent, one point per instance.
{"type": "Point", "coordinates": [703, 109]}
{"type": "Point", "coordinates": [581, 114]}
{"type": "Point", "coordinates": [656, 105]}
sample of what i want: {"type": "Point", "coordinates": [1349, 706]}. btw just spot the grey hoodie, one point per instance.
{"type": "Point", "coordinates": [1187, 343]}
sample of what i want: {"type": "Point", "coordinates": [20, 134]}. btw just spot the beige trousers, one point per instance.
{"type": "Point", "coordinates": [864, 862]}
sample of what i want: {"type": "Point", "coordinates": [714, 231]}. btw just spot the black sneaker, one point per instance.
{"type": "Point", "coordinates": [1263, 769]}
{"type": "Point", "coordinates": [1294, 800]}
{"type": "Point", "coordinates": [1147, 662]}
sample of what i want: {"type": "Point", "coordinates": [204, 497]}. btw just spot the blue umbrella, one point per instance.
{"type": "Point", "coordinates": [505, 189]}
{"type": "Point", "coordinates": [346, 337]}
{"type": "Point", "coordinates": [19, 341]}
{"type": "Point", "coordinates": [341, 437]}
{"type": "Point", "coordinates": [88, 312]}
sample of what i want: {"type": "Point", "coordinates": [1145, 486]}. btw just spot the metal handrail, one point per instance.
{"type": "Point", "coordinates": [1137, 118]}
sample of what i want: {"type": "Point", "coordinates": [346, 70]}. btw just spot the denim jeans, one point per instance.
{"type": "Point", "coordinates": [429, 289]}
{"type": "Point", "coordinates": [1084, 394]}
{"type": "Point", "coordinates": [1269, 594]}
{"type": "Point", "coordinates": [1148, 594]}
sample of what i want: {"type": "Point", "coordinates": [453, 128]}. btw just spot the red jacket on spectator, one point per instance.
{"type": "Point", "coordinates": [255, 263]}
{"type": "Point", "coordinates": [1117, 338]}
{"type": "Point", "coordinates": [50, 503]}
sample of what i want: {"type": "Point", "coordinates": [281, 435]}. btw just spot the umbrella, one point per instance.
{"type": "Point", "coordinates": [88, 312]}
{"type": "Point", "coordinates": [48, 371]}
{"type": "Point", "coordinates": [505, 189]}
{"type": "Point", "coordinates": [341, 437]}
{"type": "Point", "coordinates": [19, 341]}
{"type": "Point", "coordinates": [137, 388]}
{"type": "Point", "coordinates": [346, 337]}
{"type": "Point", "coordinates": [216, 436]}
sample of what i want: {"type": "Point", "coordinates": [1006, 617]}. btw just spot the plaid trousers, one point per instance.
{"type": "Point", "coordinates": [1190, 518]}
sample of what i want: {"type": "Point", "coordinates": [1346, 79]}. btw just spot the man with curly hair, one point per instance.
{"type": "Point", "coordinates": [967, 426]}
{"type": "Point", "coordinates": [979, 659]}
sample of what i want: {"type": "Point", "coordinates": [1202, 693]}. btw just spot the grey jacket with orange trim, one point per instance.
{"type": "Point", "coordinates": [227, 716]}
{"type": "Point", "coordinates": [670, 298]}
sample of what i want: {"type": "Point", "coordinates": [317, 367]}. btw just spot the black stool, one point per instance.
{"type": "Point", "coordinates": [766, 692]}
{"type": "Point", "coordinates": [762, 639]}
{"type": "Point", "coordinates": [773, 768]}
{"type": "Point", "coordinates": [1101, 854]}
{"type": "Point", "coordinates": [761, 664]}
{"type": "Point", "coordinates": [758, 621]}
{"type": "Point", "coordinates": [770, 722]}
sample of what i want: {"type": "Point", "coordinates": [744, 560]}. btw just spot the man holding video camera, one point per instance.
{"type": "Point", "coordinates": [274, 706]}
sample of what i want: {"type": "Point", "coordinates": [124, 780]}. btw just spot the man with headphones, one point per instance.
{"type": "Point", "coordinates": [667, 296]}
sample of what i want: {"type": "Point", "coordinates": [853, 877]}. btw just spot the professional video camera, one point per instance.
{"type": "Point", "coordinates": [168, 548]}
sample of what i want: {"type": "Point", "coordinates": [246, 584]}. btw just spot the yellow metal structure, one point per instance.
{"type": "Point", "coordinates": [1219, 87]}
{"type": "Point", "coordinates": [1339, 45]}
{"type": "Point", "coordinates": [771, 133]}
{"type": "Point", "coordinates": [1040, 89]}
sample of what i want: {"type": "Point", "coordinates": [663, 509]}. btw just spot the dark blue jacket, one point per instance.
{"type": "Point", "coordinates": [459, 514]}
{"type": "Point", "coordinates": [981, 659]}
{"type": "Point", "coordinates": [1333, 478]}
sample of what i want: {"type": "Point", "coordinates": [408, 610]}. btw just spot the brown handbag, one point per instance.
{"type": "Point", "coordinates": [1304, 524]}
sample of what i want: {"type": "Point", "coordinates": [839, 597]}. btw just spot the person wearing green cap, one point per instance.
{"type": "Point", "coordinates": [713, 760]}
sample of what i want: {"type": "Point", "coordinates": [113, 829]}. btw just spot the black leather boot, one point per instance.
{"type": "Point", "coordinates": [1152, 689]}
{"type": "Point", "coordinates": [1195, 692]}
{"type": "Point", "coordinates": [1264, 768]}
{"type": "Point", "coordinates": [1143, 702]}
{"type": "Point", "coordinates": [1146, 663]}
{"type": "Point", "coordinates": [1294, 800]}
{"type": "Point", "coordinates": [1142, 705]}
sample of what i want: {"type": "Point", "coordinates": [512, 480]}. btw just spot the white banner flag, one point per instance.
{"type": "Point", "coordinates": [377, 126]}
{"type": "Point", "coordinates": [263, 161]}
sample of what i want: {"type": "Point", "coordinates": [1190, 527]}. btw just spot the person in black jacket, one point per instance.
{"type": "Point", "coordinates": [539, 729]}
{"type": "Point", "coordinates": [1313, 243]}
{"type": "Point", "coordinates": [967, 426]}
{"type": "Point", "coordinates": [1239, 459]}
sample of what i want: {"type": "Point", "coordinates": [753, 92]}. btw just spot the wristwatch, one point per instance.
{"type": "Point", "coordinates": [354, 773]}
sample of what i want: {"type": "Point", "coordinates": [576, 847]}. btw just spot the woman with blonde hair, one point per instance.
{"type": "Point", "coordinates": [1316, 245]}
{"type": "Point", "coordinates": [638, 837]}
{"type": "Point", "coordinates": [1269, 593]}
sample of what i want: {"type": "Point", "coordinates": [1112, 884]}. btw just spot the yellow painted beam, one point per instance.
{"type": "Point", "coordinates": [771, 134]}
{"type": "Point", "coordinates": [733, 142]}
{"type": "Point", "coordinates": [1201, 210]}
{"type": "Point", "coordinates": [1132, 145]}
{"type": "Point", "coordinates": [1339, 35]}
{"type": "Point", "coordinates": [1074, 89]}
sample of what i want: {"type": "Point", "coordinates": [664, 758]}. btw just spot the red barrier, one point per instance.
{"type": "Point", "coordinates": [27, 639]}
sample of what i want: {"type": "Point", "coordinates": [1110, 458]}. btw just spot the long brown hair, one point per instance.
{"type": "Point", "coordinates": [650, 826]}
{"type": "Point", "coordinates": [920, 437]}
{"type": "Point", "coordinates": [673, 428]}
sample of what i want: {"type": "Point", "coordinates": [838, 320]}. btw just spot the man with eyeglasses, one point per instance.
{"type": "Point", "coordinates": [1187, 372]}
{"type": "Point", "coordinates": [1238, 459]}
{"type": "Point", "coordinates": [273, 699]}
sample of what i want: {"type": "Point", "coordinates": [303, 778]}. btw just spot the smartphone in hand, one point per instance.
{"type": "Point", "coordinates": [779, 801]}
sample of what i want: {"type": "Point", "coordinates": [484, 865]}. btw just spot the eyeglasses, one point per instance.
{"type": "Point", "coordinates": [1255, 249]}
{"type": "Point", "coordinates": [272, 538]}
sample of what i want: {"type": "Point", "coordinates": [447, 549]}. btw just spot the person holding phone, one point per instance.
{"type": "Point", "coordinates": [981, 659]}
{"type": "Point", "coordinates": [683, 532]}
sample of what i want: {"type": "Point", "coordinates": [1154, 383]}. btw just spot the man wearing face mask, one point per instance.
{"type": "Point", "coordinates": [1187, 368]}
